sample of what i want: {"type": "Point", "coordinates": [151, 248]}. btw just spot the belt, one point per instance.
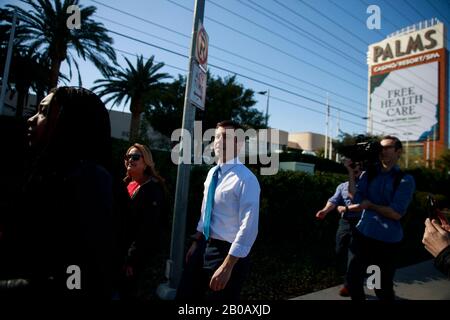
{"type": "Point", "coordinates": [217, 242]}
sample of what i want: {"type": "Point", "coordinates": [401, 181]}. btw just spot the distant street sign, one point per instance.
{"type": "Point", "coordinates": [201, 50]}
{"type": "Point", "coordinates": [197, 95]}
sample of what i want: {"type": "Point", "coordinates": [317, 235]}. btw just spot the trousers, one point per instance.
{"type": "Point", "coordinates": [198, 271]}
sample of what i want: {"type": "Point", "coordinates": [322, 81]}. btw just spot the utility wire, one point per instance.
{"type": "Point", "coordinates": [136, 55]}
{"type": "Point", "coordinates": [143, 32]}
{"type": "Point", "coordinates": [274, 48]}
{"type": "Point", "coordinates": [210, 56]}
{"type": "Point", "coordinates": [139, 18]}
{"type": "Point", "coordinates": [364, 41]}
{"type": "Point", "coordinates": [409, 71]}
{"type": "Point", "coordinates": [291, 26]}
{"type": "Point", "coordinates": [210, 1]}
{"type": "Point", "coordinates": [262, 82]}
{"type": "Point", "coordinates": [346, 98]}
{"type": "Point", "coordinates": [294, 104]}
{"type": "Point", "coordinates": [318, 26]}
{"type": "Point", "coordinates": [437, 11]}
{"type": "Point", "coordinates": [244, 76]}
{"type": "Point", "coordinates": [285, 38]}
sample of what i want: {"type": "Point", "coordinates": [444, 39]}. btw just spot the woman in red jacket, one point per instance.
{"type": "Point", "coordinates": [143, 223]}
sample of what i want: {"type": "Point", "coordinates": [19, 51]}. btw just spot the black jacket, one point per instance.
{"type": "Point", "coordinates": [143, 224]}
{"type": "Point", "coordinates": [65, 218]}
{"type": "Point", "coordinates": [442, 261]}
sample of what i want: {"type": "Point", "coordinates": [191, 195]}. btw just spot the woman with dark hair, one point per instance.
{"type": "Point", "coordinates": [65, 238]}
{"type": "Point", "coordinates": [143, 223]}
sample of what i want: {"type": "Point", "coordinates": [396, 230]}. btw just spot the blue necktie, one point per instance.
{"type": "Point", "coordinates": [210, 202]}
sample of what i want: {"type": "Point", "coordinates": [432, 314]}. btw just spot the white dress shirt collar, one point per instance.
{"type": "Point", "coordinates": [224, 167]}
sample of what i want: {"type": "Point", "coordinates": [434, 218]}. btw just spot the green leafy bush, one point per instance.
{"type": "Point", "coordinates": [294, 252]}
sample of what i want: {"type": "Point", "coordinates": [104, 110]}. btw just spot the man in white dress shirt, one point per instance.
{"type": "Point", "coordinates": [217, 261]}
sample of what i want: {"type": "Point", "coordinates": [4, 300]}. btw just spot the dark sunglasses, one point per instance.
{"type": "Point", "coordinates": [354, 165]}
{"type": "Point", "coordinates": [132, 156]}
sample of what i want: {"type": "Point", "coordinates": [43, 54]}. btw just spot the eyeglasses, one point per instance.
{"type": "Point", "coordinates": [387, 147]}
{"type": "Point", "coordinates": [132, 156]}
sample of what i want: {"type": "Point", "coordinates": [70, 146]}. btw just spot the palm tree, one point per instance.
{"type": "Point", "coordinates": [29, 68]}
{"type": "Point", "coordinates": [46, 26]}
{"type": "Point", "coordinates": [141, 84]}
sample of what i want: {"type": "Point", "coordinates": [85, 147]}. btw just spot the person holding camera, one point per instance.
{"type": "Point", "coordinates": [383, 194]}
{"type": "Point", "coordinates": [343, 204]}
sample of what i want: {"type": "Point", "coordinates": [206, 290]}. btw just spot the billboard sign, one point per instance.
{"type": "Point", "coordinates": [407, 89]}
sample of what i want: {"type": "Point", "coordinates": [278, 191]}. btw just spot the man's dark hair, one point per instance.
{"type": "Point", "coordinates": [398, 143]}
{"type": "Point", "coordinates": [229, 123]}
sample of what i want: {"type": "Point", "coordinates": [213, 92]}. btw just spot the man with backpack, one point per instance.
{"type": "Point", "coordinates": [383, 194]}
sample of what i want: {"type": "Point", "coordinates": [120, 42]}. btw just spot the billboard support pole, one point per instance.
{"type": "Point", "coordinates": [407, 153]}
{"type": "Point", "coordinates": [434, 148]}
{"type": "Point", "coordinates": [326, 130]}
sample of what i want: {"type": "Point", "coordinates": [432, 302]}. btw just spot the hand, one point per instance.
{"type": "Point", "coordinates": [443, 220]}
{"type": "Point", "coordinates": [446, 227]}
{"type": "Point", "coordinates": [191, 250]}
{"type": "Point", "coordinates": [129, 271]}
{"type": "Point", "coordinates": [341, 210]}
{"type": "Point", "coordinates": [365, 204]}
{"type": "Point", "coordinates": [435, 238]}
{"type": "Point", "coordinates": [220, 278]}
{"type": "Point", "coordinates": [321, 214]}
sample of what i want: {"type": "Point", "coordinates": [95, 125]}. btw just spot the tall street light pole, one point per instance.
{"type": "Point", "coordinates": [267, 104]}
{"type": "Point", "coordinates": [327, 118]}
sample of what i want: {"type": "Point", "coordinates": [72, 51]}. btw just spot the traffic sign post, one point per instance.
{"type": "Point", "coordinates": [174, 266]}
{"type": "Point", "coordinates": [197, 95]}
{"type": "Point", "coordinates": [197, 92]}
{"type": "Point", "coordinates": [201, 48]}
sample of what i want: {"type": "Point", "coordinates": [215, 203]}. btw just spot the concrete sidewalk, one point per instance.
{"type": "Point", "coordinates": [417, 282]}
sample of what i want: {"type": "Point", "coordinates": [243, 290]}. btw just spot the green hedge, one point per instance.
{"type": "Point", "coordinates": [294, 252]}
{"type": "Point", "coordinates": [321, 164]}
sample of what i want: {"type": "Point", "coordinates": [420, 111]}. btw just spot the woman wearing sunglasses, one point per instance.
{"type": "Point", "coordinates": [143, 223]}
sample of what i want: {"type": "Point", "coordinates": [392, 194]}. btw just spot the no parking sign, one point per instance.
{"type": "Point", "coordinates": [201, 48]}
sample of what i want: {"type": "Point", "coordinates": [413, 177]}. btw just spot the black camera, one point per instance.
{"type": "Point", "coordinates": [363, 152]}
{"type": "Point", "coordinates": [432, 207]}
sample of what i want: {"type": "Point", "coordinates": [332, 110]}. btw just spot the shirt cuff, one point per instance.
{"type": "Point", "coordinates": [238, 250]}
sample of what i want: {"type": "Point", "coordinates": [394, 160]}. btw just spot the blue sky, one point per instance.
{"type": "Point", "coordinates": [301, 50]}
